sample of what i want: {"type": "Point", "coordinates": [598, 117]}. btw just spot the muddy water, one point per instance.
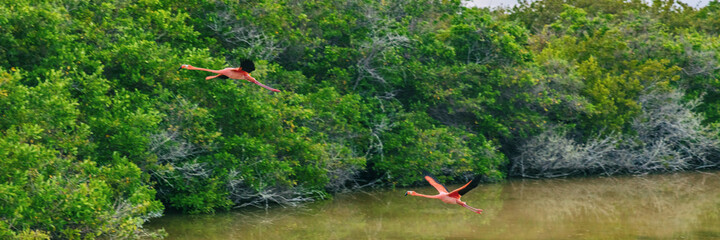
{"type": "Point", "coordinates": [675, 206]}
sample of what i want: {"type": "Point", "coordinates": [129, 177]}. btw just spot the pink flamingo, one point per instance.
{"type": "Point", "coordinates": [241, 73]}
{"type": "Point", "coordinates": [449, 197]}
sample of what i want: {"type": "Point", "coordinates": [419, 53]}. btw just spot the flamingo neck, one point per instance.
{"type": "Point", "coordinates": [426, 196]}
{"type": "Point", "coordinates": [202, 69]}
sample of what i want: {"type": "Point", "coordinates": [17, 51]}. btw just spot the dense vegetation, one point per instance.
{"type": "Point", "coordinates": [99, 131]}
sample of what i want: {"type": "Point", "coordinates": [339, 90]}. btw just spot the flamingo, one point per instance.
{"type": "Point", "coordinates": [449, 197]}
{"type": "Point", "coordinates": [241, 73]}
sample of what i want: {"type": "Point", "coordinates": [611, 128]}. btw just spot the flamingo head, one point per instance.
{"type": "Point", "coordinates": [479, 211]}
{"type": "Point", "coordinates": [184, 66]}
{"type": "Point", "coordinates": [409, 193]}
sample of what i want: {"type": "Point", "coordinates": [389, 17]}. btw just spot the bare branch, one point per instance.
{"type": "Point", "coordinates": [670, 137]}
{"type": "Point", "coordinates": [253, 40]}
{"type": "Point", "coordinates": [244, 196]}
{"type": "Point", "coordinates": [380, 42]}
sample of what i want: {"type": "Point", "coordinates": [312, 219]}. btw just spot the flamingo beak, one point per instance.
{"type": "Point", "coordinates": [406, 193]}
{"type": "Point", "coordinates": [180, 68]}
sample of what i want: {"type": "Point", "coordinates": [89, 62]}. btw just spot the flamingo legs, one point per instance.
{"type": "Point", "coordinates": [472, 208]}
{"type": "Point", "coordinates": [265, 86]}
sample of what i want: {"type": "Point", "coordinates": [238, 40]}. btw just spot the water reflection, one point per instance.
{"type": "Point", "coordinates": [650, 207]}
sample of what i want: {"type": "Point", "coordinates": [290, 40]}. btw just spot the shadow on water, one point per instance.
{"type": "Point", "coordinates": [675, 206]}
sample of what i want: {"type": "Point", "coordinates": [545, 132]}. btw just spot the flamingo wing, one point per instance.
{"type": "Point", "coordinates": [247, 65]}
{"type": "Point", "coordinates": [466, 188]}
{"type": "Point", "coordinates": [216, 76]}
{"type": "Point", "coordinates": [434, 182]}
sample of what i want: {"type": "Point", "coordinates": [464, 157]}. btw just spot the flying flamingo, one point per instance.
{"type": "Point", "coordinates": [449, 197]}
{"type": "Point", "coordinates": [241, 73]}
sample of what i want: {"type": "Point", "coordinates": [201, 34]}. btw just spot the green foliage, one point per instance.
{"type": "Point", "coordinates": [707, 17]}
{"type": "Point", "coordinates": [47, 191]}
{"type": "Point", "coordinates": [415, 145]}
{"type": "Point", "coordinates": [98, 127]}
{"type": "Point", "coordinates": [608, 62]}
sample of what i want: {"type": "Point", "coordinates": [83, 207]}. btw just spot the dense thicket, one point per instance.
{"type": "Point", "coordinates": [99, 132]}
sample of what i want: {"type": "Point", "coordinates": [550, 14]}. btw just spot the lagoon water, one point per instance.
{"type": "Point", "coordinates": [667, 206]}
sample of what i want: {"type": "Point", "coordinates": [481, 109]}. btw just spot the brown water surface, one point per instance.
{"type": "Point", "coordinates": [674, 206]}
